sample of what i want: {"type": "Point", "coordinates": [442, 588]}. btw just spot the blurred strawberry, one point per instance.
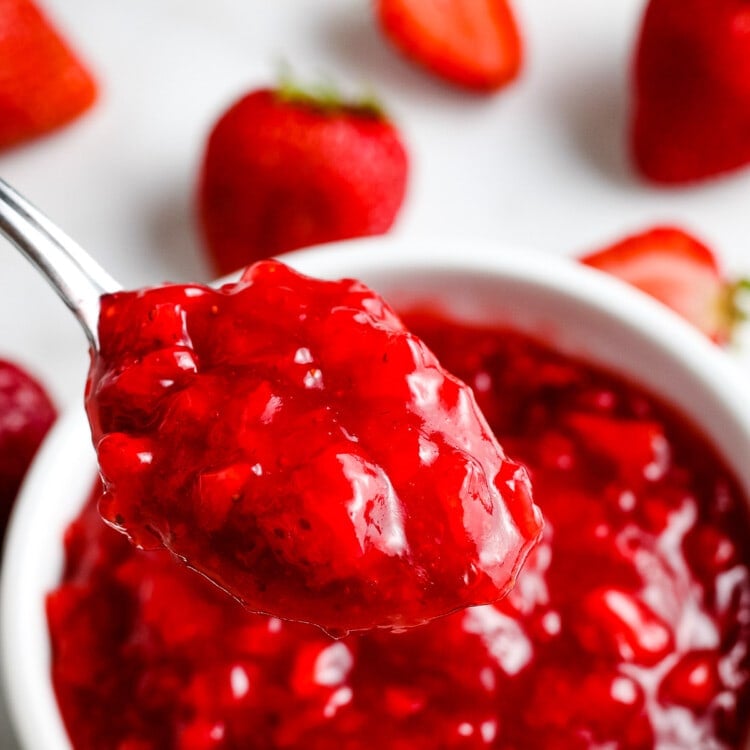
{"type": "Point", "coordinates": [691, 116]}
{"type": "Point", "coordinates": [288, 168]}
{"type": "Point", "coordinates": [473, 43]}
{"type": "Point", "coordinates": [26, 413]}
{"type": "Point", "coordinates": [42, 84]}
{"type": "Point", "coordinates": [680, 271]}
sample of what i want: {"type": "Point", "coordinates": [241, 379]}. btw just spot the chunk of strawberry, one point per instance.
{"type": "Point", "coordinates": [473, 44]}
{"type": "Point", "coordinates": [694, 681]}
{"type": "Point", "coordinates": [43, 85]}
{"type": "Point", "coordinates": [679, 270]}
{"type": "Point", "coordinates": [619, 622]}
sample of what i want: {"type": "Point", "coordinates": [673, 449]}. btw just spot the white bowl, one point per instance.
{"type": "Point", "coordinates": [582, 311]}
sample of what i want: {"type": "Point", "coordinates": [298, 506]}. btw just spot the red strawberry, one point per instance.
{"type": "Point", "coordinates": [474, 43]}
{"type": "Point", "coordinates": [680, 271]}
{"type": "Point", "coordinates": [285, 169]}
{"type": "Point", "coordinates": [691, 117]}
{"type": "Point", "coordinates": [42, 84]}
{"type": "Point", "coordinates": [26, 414]}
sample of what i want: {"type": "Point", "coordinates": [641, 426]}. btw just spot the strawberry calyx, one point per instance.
{"type": "Point", "coordinates": [326, 97]}
{"type": "Point", "coordinates": [734, 305]}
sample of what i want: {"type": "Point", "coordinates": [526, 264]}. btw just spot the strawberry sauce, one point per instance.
{"type": "Point", "coordinates": [629, 626]}
{"type": "Point", "coordinates": [289, 439]}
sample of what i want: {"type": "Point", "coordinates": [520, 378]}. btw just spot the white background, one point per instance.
{"type": "Point", "coordinates": [542, 164]}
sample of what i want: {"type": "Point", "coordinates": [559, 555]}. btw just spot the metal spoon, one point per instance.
{"type": "Point", "coordinates": [76, 277]}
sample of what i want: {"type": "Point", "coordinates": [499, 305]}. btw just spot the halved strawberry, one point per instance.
{"type": "Point", "coordinates": [42, 83]}
{"type": "Point", "coordinates": [680, 271]}
{"type": "Point", "coordinates": [474, 44]}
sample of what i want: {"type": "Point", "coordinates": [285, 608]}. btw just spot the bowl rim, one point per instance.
{"type": "Point", "coordinates": [25, 666]}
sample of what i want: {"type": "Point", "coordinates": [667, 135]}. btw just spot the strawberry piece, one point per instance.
{"type": "Point", "coordinates": [26, 413]}
{"type": "Point", "coordinates": [680, 271]}
{"type": "Point", "coordinates": [693, 682]}
{"type": "Point", "coordinates": [293, 442]}
{"type": "Point", "coordinates": [473, 44]}
{"type": "Point", "coordinates": [569, 702]}
{"type": "Point", "coordinates": [636, 449]}
{"type": "Point", "coordinates": [286, 169]}
{"type": "Point", "coordinates": [710, 550]}
{"type": "Point", "coordinates": [42, 83]}
{"type": "Point", "coordinates": [691, 115]}
{"type": "Point", "coordinates": [617, 621]}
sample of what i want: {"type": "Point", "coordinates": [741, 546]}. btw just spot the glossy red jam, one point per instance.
{"type": "Point", "coordinates": [629, 627]}
{"type": "Point", "coordinates": [290, 439]}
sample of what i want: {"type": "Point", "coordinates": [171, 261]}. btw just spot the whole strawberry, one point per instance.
{"type": "Point", "coordinates": [42, 83]}
{"type": "Point", "coordinates": [26, 413]}
{"type": "Point", "coordinates": [285, 169]}
{"type": "Point", "coordinates": [679, 270]}
{"type": "Point", "coordinates": [472, 43]}
{"type": "Point", "coordinates": [691, 115]}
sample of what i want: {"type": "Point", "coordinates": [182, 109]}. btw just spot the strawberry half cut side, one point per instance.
{"type": "Point", "coordinates": [680, 271]}
{"type": "Point", "coordinates": [473, 44]}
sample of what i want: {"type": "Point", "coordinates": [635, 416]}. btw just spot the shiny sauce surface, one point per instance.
{"type": "Point", "coordinates": [629, 626]}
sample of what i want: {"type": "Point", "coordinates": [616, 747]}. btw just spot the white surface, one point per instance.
{"type": "Point", "coordinates": [584, 312]}
{"type": "Point", "coordinates": [541, 164]}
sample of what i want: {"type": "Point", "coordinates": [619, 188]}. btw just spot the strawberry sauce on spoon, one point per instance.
{"type": "Point", "coordinates": [290, 440]}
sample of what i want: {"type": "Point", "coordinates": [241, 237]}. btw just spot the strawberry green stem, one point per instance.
{"type": "Point", "coordinates": [327, 97]}
{"type": "Point", "coordinates": [736, 303]}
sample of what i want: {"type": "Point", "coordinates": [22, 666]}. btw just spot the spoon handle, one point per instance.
{"type": "Point", "coordinates": [77, 278]}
